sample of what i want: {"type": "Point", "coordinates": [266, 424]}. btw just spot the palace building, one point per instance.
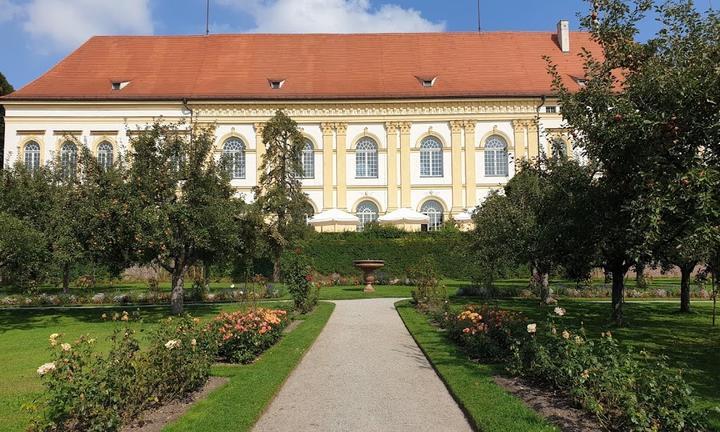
{"type": "Point", "coordinates": [430, 122]}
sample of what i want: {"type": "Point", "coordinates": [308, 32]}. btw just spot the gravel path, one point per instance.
{"type": "Point", "coordinates": [364, 373]}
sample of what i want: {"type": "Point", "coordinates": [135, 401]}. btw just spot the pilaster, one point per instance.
{"type": "Point", "coordinates": [456, 129]}
{"type": "Point", "coordinates": [341, 130]}
{"type": "Point", "coordinates": [392, 178]}
{"type": "Point", "coordinates": [519, 128]}
{"type": "Point", "coordinates": [405, 178]}
{"type": "Point", "coordinates": [327, 137]}
{"type": "Point", "coordinates": [533, 144]}
{"type": "Point", "coordinates": [470, 182]}
{"type": "Point", "coordinates": [259, 149]}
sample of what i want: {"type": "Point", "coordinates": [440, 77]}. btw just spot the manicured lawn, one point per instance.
{"type": "Point", "coordinates": [24, 341]}
{"type": "Point", "coordinates": [690, 341]}
{"type": "Point", "coordinates": [489, 407]}
{"type": "Point", "coordinates": [240, 403]}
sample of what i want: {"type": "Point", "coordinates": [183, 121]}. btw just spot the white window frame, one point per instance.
{"type": "Point", "coordinates": [496, 157]}
{"type": "Point", "coordinates": [431, 157]}
{"type": "Point", "coordinates": [234, 152]}
{"type": "Point", "coordinates": [366, 158]}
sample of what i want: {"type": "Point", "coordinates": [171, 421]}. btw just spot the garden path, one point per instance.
{"type": "Point", "coordinates": [364, 373]}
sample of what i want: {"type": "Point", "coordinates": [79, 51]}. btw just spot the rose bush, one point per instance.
{"type": "Point", "coordinates": [243, 335]}
{"type": "Point", "coordinates": [485, 333]}
{"type": "Point", "coordinates": [89, 391]}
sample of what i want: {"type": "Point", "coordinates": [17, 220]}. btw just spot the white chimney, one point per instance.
{"type": "Point", "coordinates": [563, 35]}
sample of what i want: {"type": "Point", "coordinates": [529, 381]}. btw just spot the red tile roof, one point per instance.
{"type": "Point", "coordinates": [314, 66]}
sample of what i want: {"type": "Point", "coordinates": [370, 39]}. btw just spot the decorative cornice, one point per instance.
{"type": "Point", "coordinates": [354, 109]}
{"type": "Point", "coordinates": [259, 127]}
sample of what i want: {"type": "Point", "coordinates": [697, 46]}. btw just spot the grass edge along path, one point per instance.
{"type": "Point", "coordinates": [488, 407]}
{"type": "Point", "coordinates": [238, 405]}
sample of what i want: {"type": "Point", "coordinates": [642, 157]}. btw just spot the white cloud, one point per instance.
{"type": "Point", "coordinates": [65, 24]}
{"type": "Point", "coordinates": [332, 16]}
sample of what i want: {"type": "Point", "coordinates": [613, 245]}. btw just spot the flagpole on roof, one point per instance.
{"type": "Point", "coordinates": [478, 15]}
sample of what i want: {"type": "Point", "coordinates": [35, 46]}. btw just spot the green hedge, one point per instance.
{"type": "Point", "coordinates": [334, 253]}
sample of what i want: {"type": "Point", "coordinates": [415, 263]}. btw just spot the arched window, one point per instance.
{"type": "Point", "coordinates": [68, 159]}
{"type": "Point", "coordinates": [105, 155]}
{"type": "Point", "coordinates": [431, 158]}
{"type": "Point", "coordinates": [234, 153]}
{"type": "Point", "coordinates": [434, 211]}
{"type": "Point", "coordinates": [559, 148]}
{"type": "Point", "coordinates": [308, 160]}
{"type": "Point", "coordinates": [496, 157]}
{"type": "Point", "coordinates": [32, 156]}
{"type": "Point", "coordinates": [366, 158]}
{"type": "Point", "coordinates": [367, 212]}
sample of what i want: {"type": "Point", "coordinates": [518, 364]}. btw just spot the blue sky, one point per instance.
{"type": "Point", "coordinates": [36, 34]}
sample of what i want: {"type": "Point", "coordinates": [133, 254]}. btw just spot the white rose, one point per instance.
{"type": "Point", "coordinates": [47, 367]}
{"type": "Point", "coordinates": [532, 328]}
{"type": "Point", "coordinates": [559, 311]}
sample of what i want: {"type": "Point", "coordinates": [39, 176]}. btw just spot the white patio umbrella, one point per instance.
{"type": "Point", "coordinates": [463, 217]}
{"type": "Point", "coordinates": [334, 220]}
{"type": "Point", "coordinates": [403, 217]}
{"type": "Point", "coordinates": [464, 220]}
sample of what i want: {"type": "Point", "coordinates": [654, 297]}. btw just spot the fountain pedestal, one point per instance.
{"type": "Point", "coordinates": [368, 268]}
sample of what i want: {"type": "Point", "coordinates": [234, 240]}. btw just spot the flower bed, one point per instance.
{"type": "Point", "coordinates": [136, 298]}
{"type": "Point", "coordinates": [624, 391]}
{"type": "Point", "coordinates": [88, 391]}
{"type": "Point", "coordinates": [244, 335]}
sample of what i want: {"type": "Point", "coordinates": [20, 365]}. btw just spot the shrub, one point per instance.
{"type": "Point", "coordinates": [486, 333]}
{"type": "Point", "coordinates": [242, 336]}
{"type": "Point", "coordinates": [428, 292]}
{"type": "Point", "coordinates": [88, 391]}
{"type": "Point", "coordinates": [623, 392]}
{"type": "Point", "coordinates": [297, 272]}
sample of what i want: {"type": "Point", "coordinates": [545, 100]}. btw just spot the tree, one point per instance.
{"type": "Point", "coordinates": [5, 89]}
{"type": "Point", "coordinates": [23, 251]}
{"type": "Point", "coordinates": [544, 219]}
{"type": "Point", "coordinates": [180, 203]}
{"type": "Point", "coordinates": [279, 194]}
{"type": "Point", "coordinates": [643, 115]}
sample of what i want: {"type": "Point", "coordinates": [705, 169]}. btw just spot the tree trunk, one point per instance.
{"type": "Point", "coordinates": [276, 269]}
{"type": "Point", "coordinates": [685, 272]}
{"type": "Point", "coordinates": [618, 292]}
{"type": "Point", "coordinates": [640, 280]}
{"type": "Point", "coordinates": [178, 287]}
{"type": "Point", "coordinates": [66, 278]}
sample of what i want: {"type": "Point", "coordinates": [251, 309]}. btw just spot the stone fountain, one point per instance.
{"type": "Point", "coordinates": [368, 268]}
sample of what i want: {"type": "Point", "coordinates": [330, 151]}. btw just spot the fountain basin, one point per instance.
{"type": "Point", "coordinates": [368, 268]}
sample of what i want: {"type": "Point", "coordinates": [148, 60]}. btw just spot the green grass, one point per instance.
{"type": "Point", "coordinates": [690, 341]}
{"type": "Point", "coordinates": [488, 406]}
{"type": "Point", "coordinates": [24, 341]}
{"type": "Point", "coordinates": [240, 403]}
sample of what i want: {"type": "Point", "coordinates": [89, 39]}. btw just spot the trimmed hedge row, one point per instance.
{"type": "Point", "coordinates": [334, 253]}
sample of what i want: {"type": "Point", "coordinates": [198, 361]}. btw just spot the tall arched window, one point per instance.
{"type": "Point", "coordinates": [367, 212]}
{"type": "Point", "coordinates": [366, 158]}
{"type": "Point", "coordinates": [68, 159]}
{"type": "Point", "coordinates": [431, 158]}
{"type": "Point", "coordinates": [496, 157]}
{"type": "Point", "coordinates": [308, 160]}
{"type": "Point", "coordinates": [234, 154]}
{"type": "Point", "coordinates": [434, 211]}
{"type": "Point", "coordinates": [559, 148]}
{"type": "Point", "coordinates": [32, 156]}
{"type": "Point", "coordinates": [105, 155]}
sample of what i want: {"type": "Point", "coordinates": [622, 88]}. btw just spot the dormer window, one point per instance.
{"type": "Point", "coordinates": [119, 85]}
{"type": "Point", "coordinates": [427, 81]}
{"type": "Point", "coordinates": [276, 83]}
{"type": "Point", "coordinates": [582, 82]}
